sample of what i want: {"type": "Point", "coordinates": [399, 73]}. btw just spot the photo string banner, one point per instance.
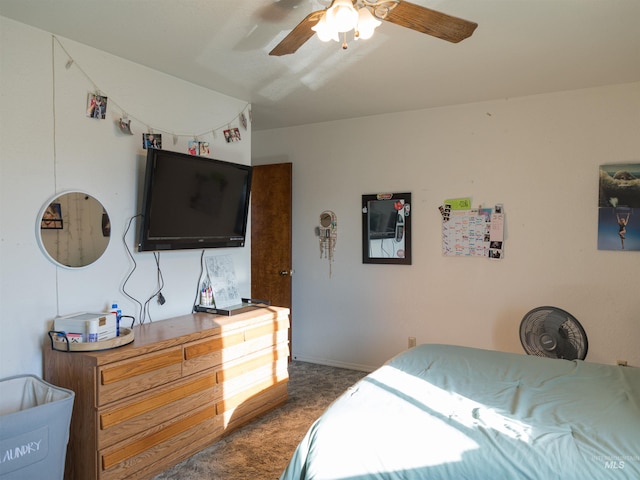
{"type": "Point", "coordinates": [125, 122]}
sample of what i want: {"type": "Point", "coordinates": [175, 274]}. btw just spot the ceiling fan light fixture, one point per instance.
{"type": "Point", "coordinates": [324, 31]}
{"type": "Point", "coordinates": [367, 24]}
{"type": "Point", "coordinates": [342, 16]}
{"type": "Point", "coordinates": [364, 16]}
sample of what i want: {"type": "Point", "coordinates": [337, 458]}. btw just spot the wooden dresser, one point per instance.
{"type": "Point", "coordinates": [182, 384]}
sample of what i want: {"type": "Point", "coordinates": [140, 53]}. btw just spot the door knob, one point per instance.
{"type": "Point", "coordinates": [285, 273]}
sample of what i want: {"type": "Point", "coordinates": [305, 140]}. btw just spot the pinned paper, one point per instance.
{"type": "Point", "coordinates": [496, 235]}
{"type": "Point", "coordinates": [472, 232]}
{"type": "Point", "coordinates": [459, 203]}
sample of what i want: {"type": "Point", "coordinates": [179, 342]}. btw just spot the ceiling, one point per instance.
{"type": "Point", "coordinates": [521, 47]}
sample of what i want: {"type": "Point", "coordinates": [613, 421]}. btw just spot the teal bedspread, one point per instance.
{"type": "Point", "coordinates": [454, 413]}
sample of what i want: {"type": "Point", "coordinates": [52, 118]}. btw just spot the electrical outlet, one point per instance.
{"type": "Point", "coordinates": [412, 342]}
{"type": "Point", "coordinates": [622, 363]}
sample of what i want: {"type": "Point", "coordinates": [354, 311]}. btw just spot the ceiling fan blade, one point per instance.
{"type": "Point", "coordinates": [431, 22]}
{"type": "Point", "coordinates": [298, 36]}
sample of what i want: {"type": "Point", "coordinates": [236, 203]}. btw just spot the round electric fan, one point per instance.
{"type": "Point", "coordinates": [552, 332]}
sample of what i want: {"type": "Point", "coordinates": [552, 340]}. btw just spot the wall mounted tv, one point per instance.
{"type": "Point", "coordinates": [193, 202]}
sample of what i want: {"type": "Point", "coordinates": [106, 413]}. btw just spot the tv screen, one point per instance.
{"type": "Point", "coordinates": [193, 202]}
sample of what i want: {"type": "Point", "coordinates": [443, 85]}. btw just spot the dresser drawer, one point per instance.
{"type": "Point", "coordinates": [248, 363]}
{"type": "Point", "coordinates": [242, 388]}
{"type": "Point", "coordinates": [169, 441]}
{"type": "Point", "coordinates": [245, 407]}
{"type": "Point", "coordinates": [255, 344]}
{"type": "Point", "coordinates": [127, 418]}
{"type": "Point", "coordinates": [205, 354]}
{"type": "Point", "coordinates": [123, 379]}
{"type": "Point", "coordinates": [267, 328]}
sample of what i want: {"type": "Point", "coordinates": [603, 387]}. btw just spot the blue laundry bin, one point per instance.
{"type": "Point", "coordinates": [34, 428]}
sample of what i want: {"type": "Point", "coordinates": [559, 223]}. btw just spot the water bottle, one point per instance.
{"type": "Point", "coordinates": [118, 312]}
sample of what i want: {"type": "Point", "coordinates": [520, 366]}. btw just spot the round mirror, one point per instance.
{"type": "Point", "coordinates": [73, 229]}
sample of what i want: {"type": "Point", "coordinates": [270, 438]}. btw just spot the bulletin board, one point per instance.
{"type": "Point", "coordinates": [472, 232]}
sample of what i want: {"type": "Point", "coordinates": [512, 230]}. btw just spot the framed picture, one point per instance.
{"type": "Point", "coordinates": [52, 217]}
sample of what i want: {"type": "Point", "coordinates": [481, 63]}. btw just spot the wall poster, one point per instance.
{"type": "Point", "coordinates": [619, 207]}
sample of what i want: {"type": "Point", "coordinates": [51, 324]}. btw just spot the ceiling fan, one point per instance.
{"type": "Point", "coordinates": [400, 12]}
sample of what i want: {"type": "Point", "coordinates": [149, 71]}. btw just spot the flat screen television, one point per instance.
{"type": "Point", "coordinates": [193, 202]}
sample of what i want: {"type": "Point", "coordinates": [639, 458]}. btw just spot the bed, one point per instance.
{"type": "Point", "coordinates": [450, 412]}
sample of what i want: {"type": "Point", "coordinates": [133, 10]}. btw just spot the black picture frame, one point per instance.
{"type": "Point", "coordinates": [386, 228]}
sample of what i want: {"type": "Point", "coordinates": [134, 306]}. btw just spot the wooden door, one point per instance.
{"type": "Point", "coordinates": [271, 266]}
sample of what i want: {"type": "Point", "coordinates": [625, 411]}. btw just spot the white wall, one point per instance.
{"type": "Point", "coordinates": [38, 160]}
{"type": "Point", "coordinates": [539, 156]}
{"type": "Point", "coordinates": [536, 155]}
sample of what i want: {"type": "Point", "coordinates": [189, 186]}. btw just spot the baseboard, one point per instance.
{"type": "Point", "coordinates": [334, 363]}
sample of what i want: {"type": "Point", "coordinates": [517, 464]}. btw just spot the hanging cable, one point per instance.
{"type": "Point", "coordinates": [158, 292]}
{"type": "Point", "coordinates": [160, 279]}
{"type": "Point", "coordinates": [133, 268]}
{"type": "Point", "coordinates": [195, 300]}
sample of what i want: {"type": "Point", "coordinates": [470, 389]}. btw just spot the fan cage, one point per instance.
{"type": "Point", "coordinates": [533, 334]}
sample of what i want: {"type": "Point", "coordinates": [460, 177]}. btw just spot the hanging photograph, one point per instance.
{"type": "Point", "coordinates": [619, 207]}
{"type": "Point", "coordinates": [151, 140]}
{"type": "Point", "coordinates": [232, 135]}
{"type": "Point", "coordinates": [198, 148]}
{"type": "Point", "coordinates": [125, 126]}
{"type": "Point", "coordinates": [96, 106]}
{"type": "Point", "coordinates": [52, 217]}
{"type": "Point", "coordinates": [203, 148]}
